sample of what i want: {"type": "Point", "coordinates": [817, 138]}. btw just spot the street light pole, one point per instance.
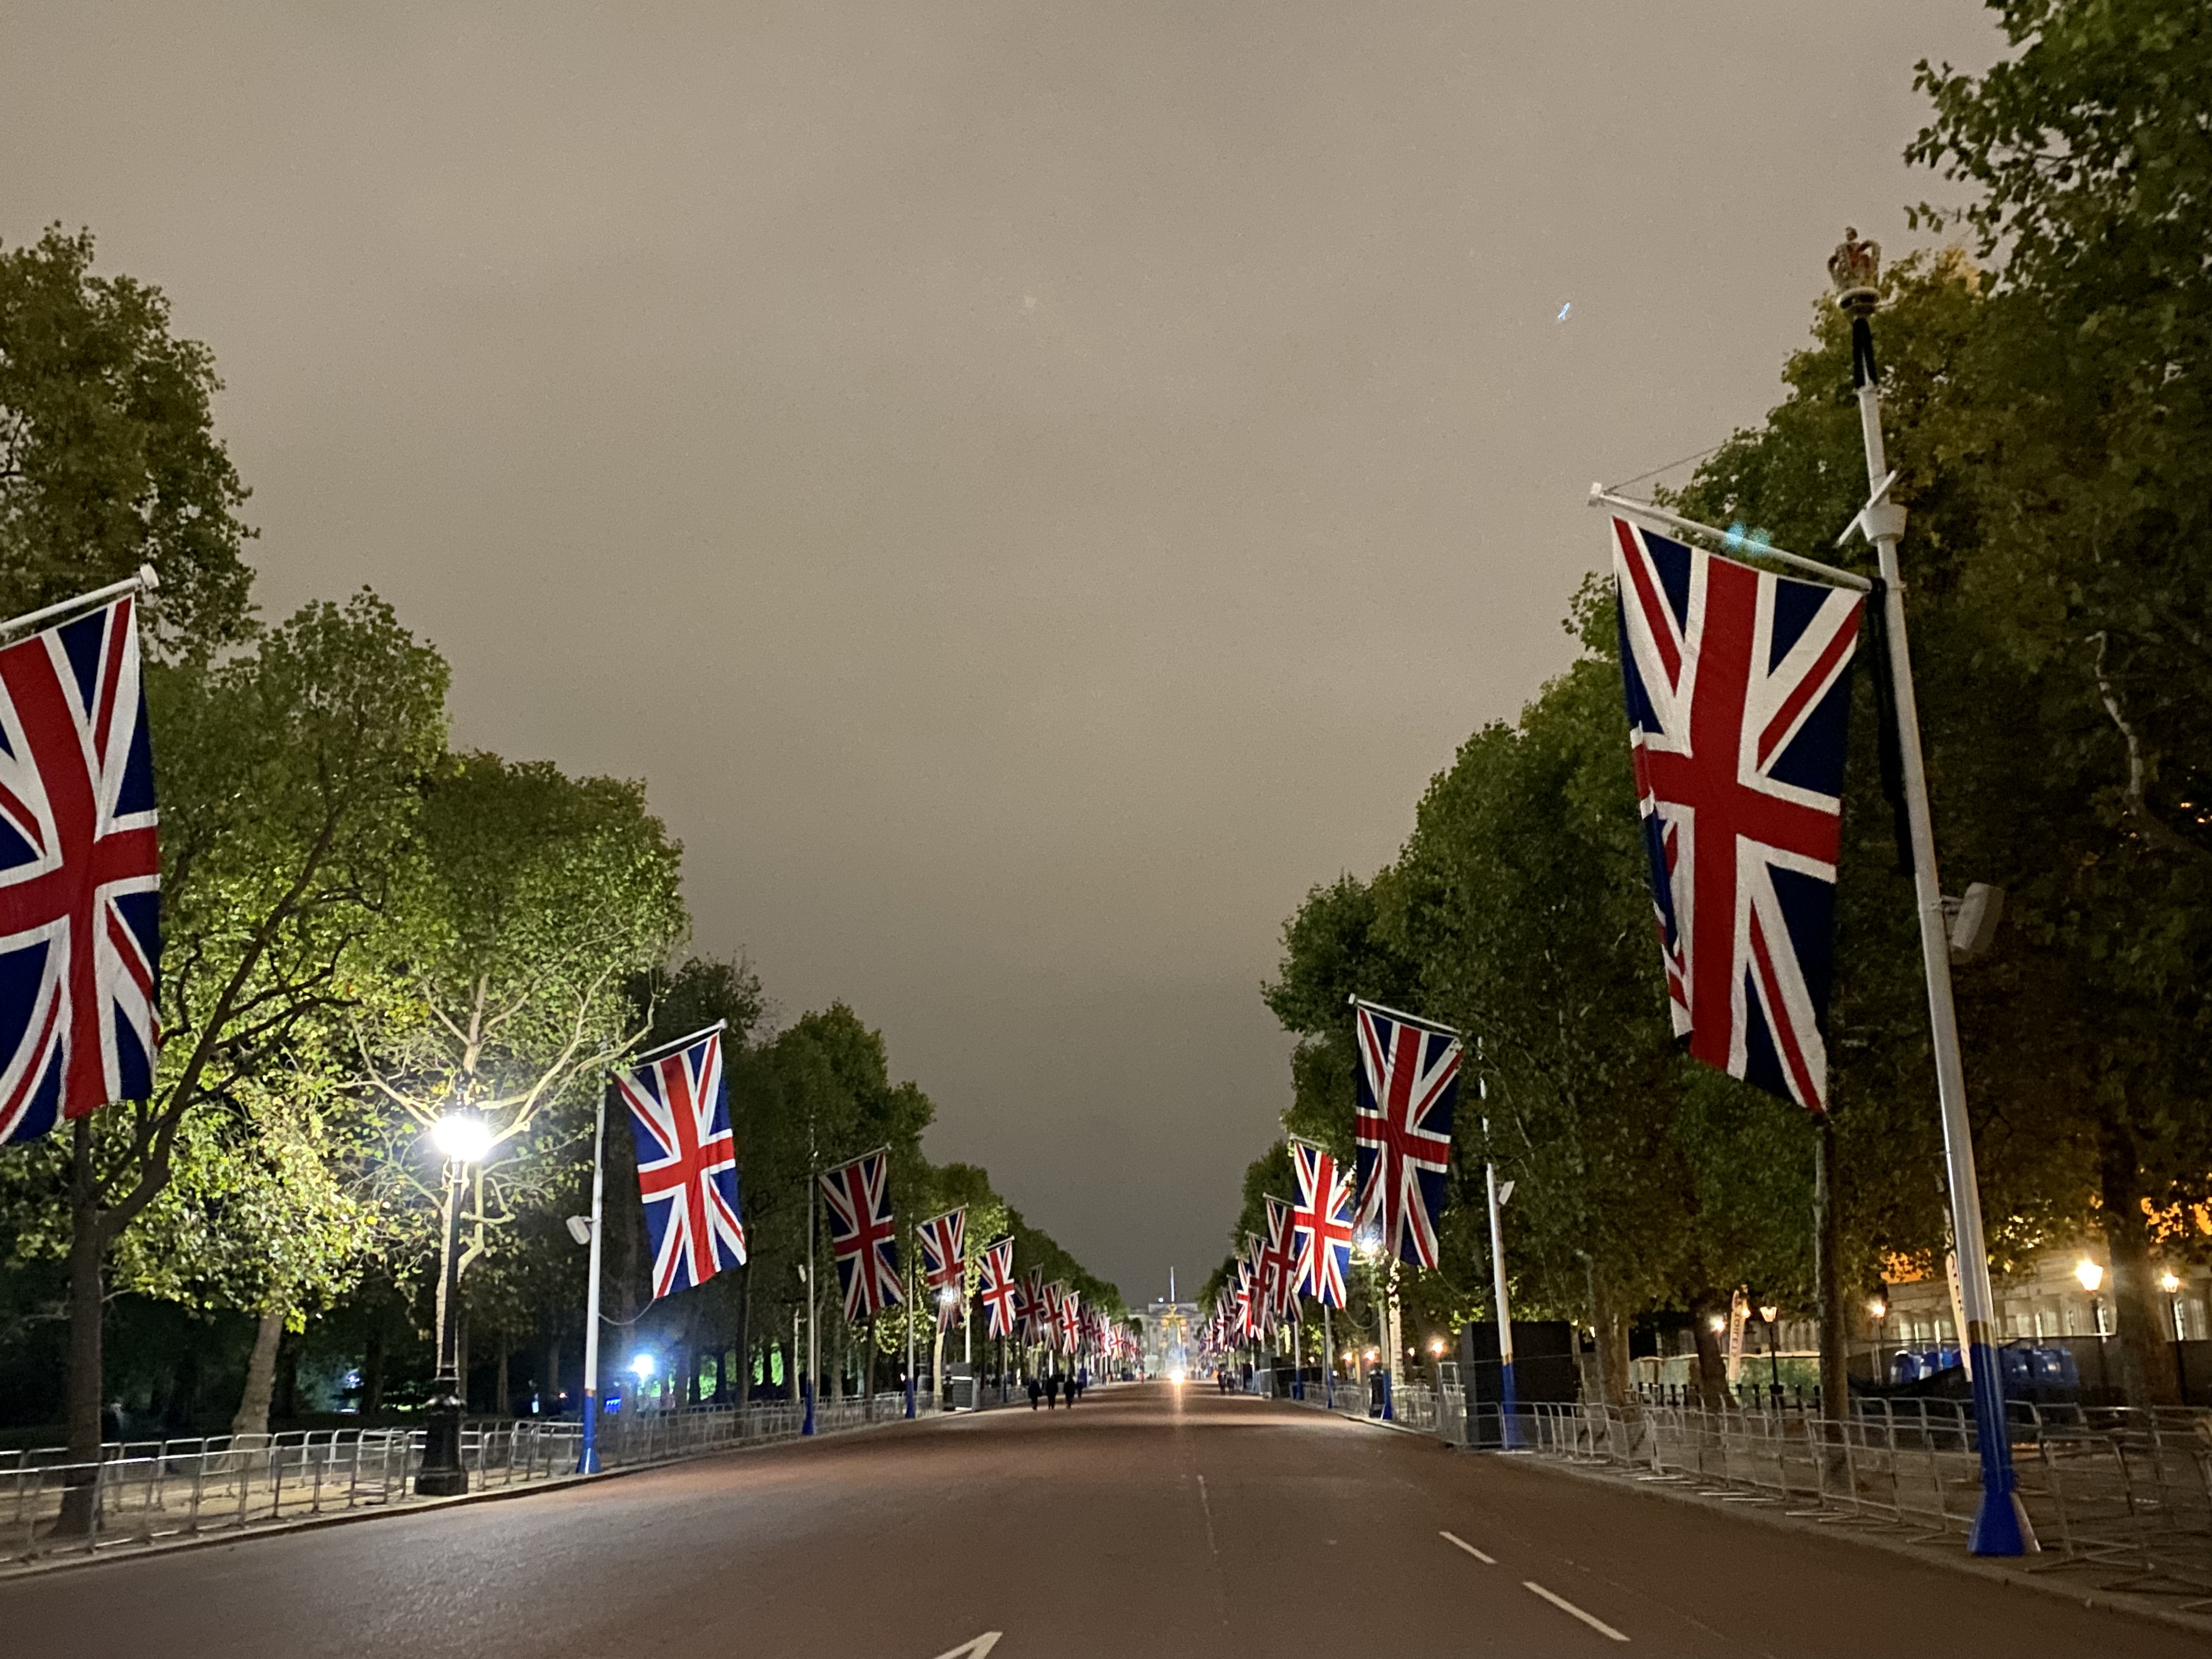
{"type": "Point", "coordinates": [2001, 1526]}
{"type": "Point", "coordinates": [587, 1458]}
{"type": "Point", "coordinates": [463, 1138]}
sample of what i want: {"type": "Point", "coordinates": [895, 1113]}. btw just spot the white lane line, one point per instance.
{"type": "Point", "coordinates": [1453, 1537]}
{"type": "Point", "coordinates": [979, 1648]}
{"type": "Point", "coordinates": [1565, 1606]}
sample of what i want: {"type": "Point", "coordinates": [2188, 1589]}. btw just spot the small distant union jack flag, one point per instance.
{"type": "Point", "coordinates": [1055, 1297]}
{"type": "Point", "coordinates": [80, 875]}
{"type": "Point", "coordinates": [1738, 685]}
{"type": "Point", "coordinates": [1282, 1261]}
{"type": "Point", "coordinates": [945, 1263]}
{"type": "Point", "coordinates": [1031, 1307]}
{"type": "Point", "coordinates": [1070, 1323]}
{"type": "Point", "coordinates": [1408, 1085]}
{"type": "Point", "coordinates": [1321, 1227]}
{"type": "Point", "coordinates": [1000, 1291]}
{"type": "Point", "coordinates": [863, 1233]}
{"type": "Point", "coordinates": [687, 1163]}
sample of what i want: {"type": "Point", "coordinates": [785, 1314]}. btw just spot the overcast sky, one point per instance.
{"type": "Point", "coordinates": [1034, 487]}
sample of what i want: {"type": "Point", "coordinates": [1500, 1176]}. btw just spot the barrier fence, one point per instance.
{"type": "Point", "coordinates": [2124, 1493]}
{"type": "Point", "coordinates": [149, 1491]}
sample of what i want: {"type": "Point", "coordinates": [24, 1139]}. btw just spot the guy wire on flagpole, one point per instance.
{"type": "Point", "coordinates": [2001, 1525]}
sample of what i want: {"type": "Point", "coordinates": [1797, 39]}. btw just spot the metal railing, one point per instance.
{"type": "Point", "coordinates": [153, 1491]}
{"type": "Point", "coordinates": [2124, 1491]}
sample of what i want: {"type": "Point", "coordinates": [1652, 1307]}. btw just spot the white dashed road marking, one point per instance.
{"type": "Point", "coordinates": [1453, 1537]}
{"type": "Point", "coordinates": [1565, 1606]}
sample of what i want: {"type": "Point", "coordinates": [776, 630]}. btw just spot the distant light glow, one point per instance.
{"type": "Point", "coordinates": [643, 1366]}
{"type": "Point", "coordinates": [949, 1297]}
{"type": "Point", "coordinates": [2169, 1283]}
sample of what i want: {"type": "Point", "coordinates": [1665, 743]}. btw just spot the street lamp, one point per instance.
{"type": "Point", "coordinates": [463, 1139]}
{"type": "Point", "coordinates": [1766, 1312]}
{"type": "Point", "coordinates": [2170, 1283]}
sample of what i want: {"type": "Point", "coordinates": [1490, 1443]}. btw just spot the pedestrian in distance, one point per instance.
{"type": "Point", "coordinates": [1036, 1393]}
{"type": "Point", "coordinates": [1052, 1391]}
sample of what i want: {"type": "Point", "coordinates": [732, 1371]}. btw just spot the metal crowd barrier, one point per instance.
{"type": "Point", "coordinates": [152, 1492]}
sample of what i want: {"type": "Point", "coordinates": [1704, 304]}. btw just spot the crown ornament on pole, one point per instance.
{"type": "Point", "coordinates": [1856, 270]}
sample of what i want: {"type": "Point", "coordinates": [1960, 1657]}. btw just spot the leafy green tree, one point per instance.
{"type": "Point", "coordinates": [502, 986]}
{"type": "Point", "coordinates": [290, 780]}
{"type": "Point", "coordinates": [108, 457]}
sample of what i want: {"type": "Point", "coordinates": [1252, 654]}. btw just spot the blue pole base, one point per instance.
{"type": "Point", "coordinates": [1509, 1436]}
{"type": "Point", "coordinates": [909, 1396]}
{"type": "Point", "coordinates": [806, 1390]}
{"type": "Point", "coordinates": [1999, 1527]}
{"type": "Point", "coordinates": [588, 1456]}
{"type": "Point", "coordinates": [1388, 1415]}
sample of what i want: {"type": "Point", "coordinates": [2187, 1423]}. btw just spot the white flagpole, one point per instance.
{"type": "Point", "coordinates": [2001, 1526]}
{"type": "Point", "coordinates": [909, 1327]}
{"type": "Point", "coordinates": [144, 581]}
{"type": "Point", "coordinates": [1508, 1403]}
{"type": "Point", "coordinates": [587, 1460]}
{"type": "Point", "coordinates": [813, 1384]}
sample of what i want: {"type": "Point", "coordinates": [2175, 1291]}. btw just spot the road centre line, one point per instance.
{"type": "Point", "coordinates": [1565, 1606]}
{"type": "Point", "coordinates": [1453, 1537]}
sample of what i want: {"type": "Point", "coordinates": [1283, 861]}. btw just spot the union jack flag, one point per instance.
{"type": "Point", "coordinates": [1246, 1325]}
{"type": "Point", "coordinates": [687, 1163]}
{"type": "Point", "coordinates": [1055, 1299]}
{"type": "Point", "coordinates": [1408, 1083]}
{"type": "Point", "coordinates": [80, 875]}
{"type": "Point", "coordinates": [1263, 1306]}
{"type": "Point", "coordinates": [945, 1263]}
{"type": "Point", "coordinates": [863, 1233]}
{"type": "Point", "coordinates": [1282, 1265]}
{"type": "Point", "coordinates": [1000, 1291]}
{"type": "Point", "coordinates": [1070, 1323]}
{"type": "Point", "coordinates": [1739, 689]}
{"type": "Point", "coordinates": [1321, 1227]}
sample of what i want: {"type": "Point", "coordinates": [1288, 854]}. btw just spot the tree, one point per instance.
{"type": "Point", "coordinates": [108, 457]}
{"type": "Point", "coordinates": [502, 986]}
{"type": "Point", "coordinates": [290, 779]}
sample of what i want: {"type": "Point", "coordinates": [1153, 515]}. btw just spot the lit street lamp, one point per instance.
{"type": "Point", "coordinates": [463, 1139]}
{"type": "Point", "coordinates": [1773, 1354]}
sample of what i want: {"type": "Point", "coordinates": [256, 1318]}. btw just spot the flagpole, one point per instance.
{"type": "Point", "coordinates": [144, 581]}
{"type": "Point", "coordinates": [1329, 1361]}
{"type": "Point", "coordinates": [587, 1457]}
{"type": "Point", "coordinates": [1508, 1405]}
{"type": "Point", "coordinates": [2001, 1526]}
{"type": "Point", "coordinates": [909, 1327]}
{"type": "Point", "coordinates": [809, 1385]}
{"type": "Point", "coordinates": [1297, 1351]}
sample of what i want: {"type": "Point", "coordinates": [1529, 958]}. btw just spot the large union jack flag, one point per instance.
{"type": "Point", "coordinates": [1000, 1291]}
{"type": "Point", "coordinates": [945, 1263]}
{"type": "Point", "coordinates": [80, 874]}
{"type": "Point", "coordinates": [1408, 1079]}
{"type": "Point", "coordinates": [687, 1163]}
{"type": "Point", "coordinates": [1031, 1308]}
{"type": "Point", "coordinates": [1070, 1323]}
{"type": "Point", "coordinates": [1739, 689]}
{"type": "Point", "coordinates": [863, 1233]}
{"type": "Point", "coordinates": [1321, 1227]}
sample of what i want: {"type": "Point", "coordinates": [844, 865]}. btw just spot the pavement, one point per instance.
{"type": "Point", "coordinates": [1149, 1520]}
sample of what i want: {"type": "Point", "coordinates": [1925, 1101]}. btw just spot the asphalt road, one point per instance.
{"type": "Point", "coordinates": [1148, 1521]}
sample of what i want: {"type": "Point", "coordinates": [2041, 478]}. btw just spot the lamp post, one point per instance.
{"type": "Point", "coordinates": [1369, 1245]}
{"type": "Point", "coordinates": [463, 1138]}
{"type": "Point", "coordinates": [1766, 1312]}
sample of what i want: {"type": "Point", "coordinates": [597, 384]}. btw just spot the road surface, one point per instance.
{"type": "Point", "coordinates": [1148, 1521]}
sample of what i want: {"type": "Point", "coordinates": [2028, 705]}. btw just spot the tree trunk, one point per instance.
{"type": "Point", "coordinates": [744, 1342]}
{"type": "Point", "coordinates": [284, 1403]}
{"type": "Point", "coordinates": [1712, 1369]}
{"type": "Point", "coordinates": [2146, 1358]}
{"type": "Point", "coordinates": [371, 1370]}
{"type": "Point", "coordinates": [548, 1386]}
{"type": "Point", "coordinates": [1828, 1275]}
{"type": "Point", "coordinates": [252, 1414]}
{"type": "Point", "coordinates": [1611, 1326]}
{"type": "Point", "coordinates": [501, 1397]}
{"type": "Point", "coordinates": [87, 1310]}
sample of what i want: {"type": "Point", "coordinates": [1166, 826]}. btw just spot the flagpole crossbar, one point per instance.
{"type": "Point", "coordinates": [145, 581]}
{"type": "Point", "coordinates": [1410, 1019]}
{"type": "Point", "coordinates": [1736, 546]}
{"type": "Point", "coordinates": [679, 1043]}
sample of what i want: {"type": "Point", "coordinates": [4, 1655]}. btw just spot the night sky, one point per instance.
{"type": "Point", "coordinates": [1035, 488]}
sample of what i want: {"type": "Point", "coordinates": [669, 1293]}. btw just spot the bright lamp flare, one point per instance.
{"type": "Point", "coordinates": [2091, 1273]}
{"type": "Point", "coordinates": [462, 1136]}
{"type": "Point", "coordinates": [643, 1367]}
